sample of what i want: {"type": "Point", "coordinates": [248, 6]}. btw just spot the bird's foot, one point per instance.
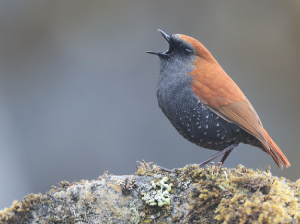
{"type": "Point", "coordinates": [168, 170]}
{"type": "Point", "coordinates": [218, 167]}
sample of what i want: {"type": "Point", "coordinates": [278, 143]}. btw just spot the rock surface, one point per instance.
{"type": "Point", "coordinates": [191, 195]}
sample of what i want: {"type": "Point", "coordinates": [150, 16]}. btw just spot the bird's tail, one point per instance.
{"type": "Point", "coordinates": [275, 151]}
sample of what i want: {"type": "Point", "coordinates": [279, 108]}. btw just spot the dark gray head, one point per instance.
{"type": "Point", "coordinates": [180, 55]}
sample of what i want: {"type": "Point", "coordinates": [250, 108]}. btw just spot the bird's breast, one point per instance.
{"type": "Point", "coordinates": [192, 119]}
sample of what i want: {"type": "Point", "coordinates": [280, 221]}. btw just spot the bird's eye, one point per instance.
{"type": "Point", "coordinates": [187, 51]}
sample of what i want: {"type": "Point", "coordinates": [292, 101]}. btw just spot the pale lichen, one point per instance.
{"type": "Point", "coordinates": [159, 195]}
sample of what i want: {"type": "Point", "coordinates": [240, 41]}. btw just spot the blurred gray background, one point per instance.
{"type": "Point", "coordinates": [78, 93]}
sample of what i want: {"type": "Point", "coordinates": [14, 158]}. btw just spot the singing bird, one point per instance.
{"type": "Point", "coordinates": [204, 104]}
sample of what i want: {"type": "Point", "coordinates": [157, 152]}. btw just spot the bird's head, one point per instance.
{"type": "Point", "coordinates": [183, 50]}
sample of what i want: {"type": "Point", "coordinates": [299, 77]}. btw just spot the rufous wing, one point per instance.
{"type": "Point", "coordinates": [221, 94]}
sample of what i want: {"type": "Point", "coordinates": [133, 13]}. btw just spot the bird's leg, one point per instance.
{"type": "Point", "coordinates": [227, 151]}
{"type": "Point", "coordinates": [222, 160]}
{"type": "Point", "coordinates": [225, 156]}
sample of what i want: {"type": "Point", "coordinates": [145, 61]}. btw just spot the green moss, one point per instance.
{"type": "Point", "coordinates": [145, 169]}
{"type": "Point", "coordinates": [242, 195]}
{"type": "Point", "coordinates": [21, 208]}
{"type": "Point", "coordinates": [147, 221]}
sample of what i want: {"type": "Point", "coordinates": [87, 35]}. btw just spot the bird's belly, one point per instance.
{"type": "Point", "coordinates": [196, 122]}
{"type": "Point", "coordinates": [202, 127]}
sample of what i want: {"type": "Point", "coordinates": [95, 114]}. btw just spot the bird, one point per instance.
{"type": "Point", "coordinates": [205, 105]}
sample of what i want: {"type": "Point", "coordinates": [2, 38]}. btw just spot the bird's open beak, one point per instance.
{"type": "Point", "coordinates": [168, 38]}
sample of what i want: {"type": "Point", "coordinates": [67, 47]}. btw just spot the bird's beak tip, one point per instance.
{"type": "Point", "coordinates": [150, 52]}
{"type": "Point", "coordinates": [166, 36]}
